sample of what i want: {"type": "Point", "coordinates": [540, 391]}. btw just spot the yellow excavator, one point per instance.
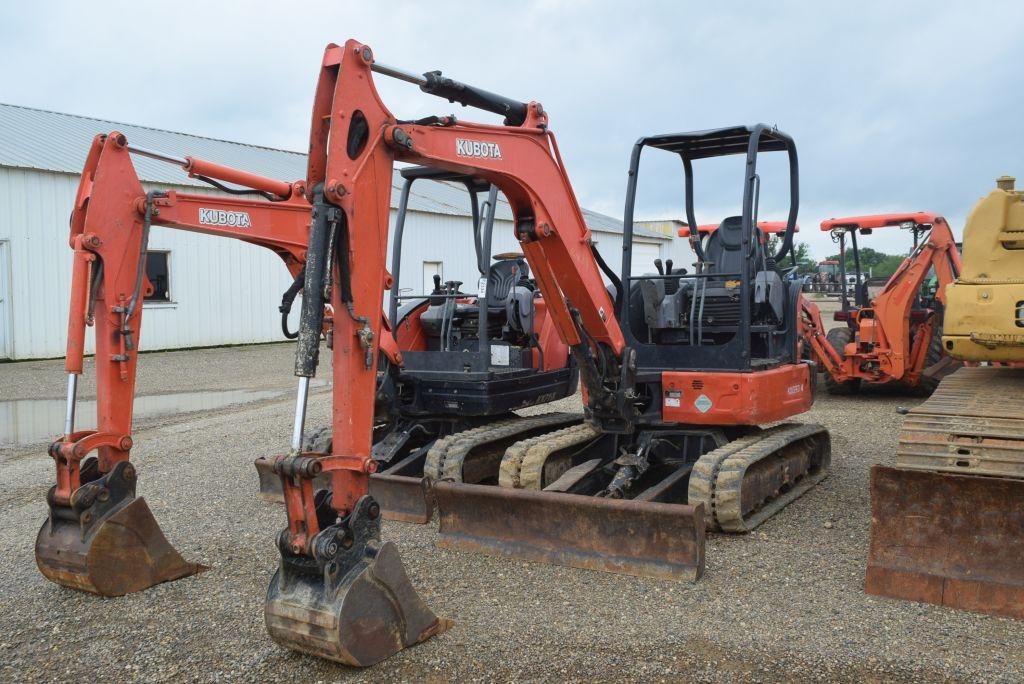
{"type": "Point", "coordinates": [947, 522]}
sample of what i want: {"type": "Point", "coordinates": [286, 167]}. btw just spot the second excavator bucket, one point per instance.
{"type": "Point", "coordinates": [352, 602]}
{"type": "Point", "coordinates": [612, 535]}
{"type": "Point", "coordinates": [107, 542]}
{"type": "Point", "coordinates": [951, 540]}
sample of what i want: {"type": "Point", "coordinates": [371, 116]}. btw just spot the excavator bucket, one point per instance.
{"type": "Point", "coordinates": [631, 537]}
{"type": "Point", "coordinates": [951, 540]}
{"type": "Point", "coordinates": [353, 602]}
{"type": "Point", "coordinates": [108, 541]}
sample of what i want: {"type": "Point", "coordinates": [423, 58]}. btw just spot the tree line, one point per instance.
{"type": "Point", "coordinates": [878, 264]}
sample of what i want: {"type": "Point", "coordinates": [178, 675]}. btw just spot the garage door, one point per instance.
{"type": "Point", "coordinates": [644, 254]}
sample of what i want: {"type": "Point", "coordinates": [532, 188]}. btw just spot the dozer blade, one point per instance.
{"type": "Point", "coordinates": [352, 602]}
{"type": "Point", "coordinates": [951, 540]}
{"type": "Point", "coordinates": [612, 535]}
{"type": "Point", "coordinates": [402, 498]}
{"type": "Point", "coordinates": [109, 543]}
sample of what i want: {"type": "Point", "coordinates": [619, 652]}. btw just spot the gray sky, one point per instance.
{"type": "Point", "coordinates": [894, 106]}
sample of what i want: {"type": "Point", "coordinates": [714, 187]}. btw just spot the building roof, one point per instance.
{"type": "Point", "coordinates": [52, 141]}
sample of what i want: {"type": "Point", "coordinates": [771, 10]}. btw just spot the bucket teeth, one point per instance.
{"type": "Point", "coordinates": [108, 541]}
{"type": "Point", "coordinates": [353, 605]}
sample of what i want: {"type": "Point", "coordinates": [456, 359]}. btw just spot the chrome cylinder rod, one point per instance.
{"type": "Point", "coordinates": [69, 410]}
{"type": "Point", "coordinates": [159, 156]}
{"type": "Point", "coordinates": [400, 74]}
{"type": "Point", "coordinates": [300, 414]}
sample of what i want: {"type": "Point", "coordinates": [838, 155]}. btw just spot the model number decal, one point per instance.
{"type": "Point", "coordinates": [476, 148]}
{"type": "Point", "coordinates": [220, 217]}
{"type": "Point", "coordinates": [794, 389]}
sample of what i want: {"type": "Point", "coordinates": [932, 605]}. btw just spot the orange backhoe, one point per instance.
{"type": "Point", "coordinates": [895, 338]}
{"type": "Point", "coordinates": [678, 368]}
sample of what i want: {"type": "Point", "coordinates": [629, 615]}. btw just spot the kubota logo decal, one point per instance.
{"type": "Point", "coordinates": [475, 148]}
{"type": "Point", "coordinates": [794, 389]}
{"type": "Point", "coordinates": [220, 217]}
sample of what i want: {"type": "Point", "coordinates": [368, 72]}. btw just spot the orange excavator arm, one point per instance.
{"type": "Point", "coordinates": [109, 230]}
{"type": "Point", "coordinates": [100, 536]}
{"type": "Point", "coordinates": [355, 141]}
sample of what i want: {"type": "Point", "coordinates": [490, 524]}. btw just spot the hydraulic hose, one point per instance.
{"type": "Point", "coordinates": [311, 319]}
{"type": "Point", "coordinates": [288, 299]}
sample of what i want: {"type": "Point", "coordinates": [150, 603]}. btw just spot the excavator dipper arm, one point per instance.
{"type": "Point", "coordinates": [355, 141]}
{"type": "Point", "coordinates": [354, 144]}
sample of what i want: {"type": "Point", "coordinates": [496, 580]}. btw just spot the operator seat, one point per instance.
{"type": "Point", "coordinates": [724, 251]}
{"type": "Point", "coordinates": [508, 294]}
{"type": "Point", "coordinates": [502, 276]}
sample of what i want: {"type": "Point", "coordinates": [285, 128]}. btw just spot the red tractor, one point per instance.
{"type": "Point", "coordinates": [825, 279]}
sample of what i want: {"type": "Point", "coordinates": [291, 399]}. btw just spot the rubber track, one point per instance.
{"type": "Point", "coordinates": [447, 455]}
{"type": "Point", "coordinates": [717, 477]}
{"type": "Point", "coordinates": [522, 466]}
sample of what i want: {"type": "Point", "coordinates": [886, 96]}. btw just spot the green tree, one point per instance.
{"type": "Point", "coordinates": [887, 266]}
{"type": "Point", "coordinates": [801, 251]}
{"type": "Point", "coordinates": [869, 258]}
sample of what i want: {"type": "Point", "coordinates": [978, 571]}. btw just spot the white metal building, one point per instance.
{"type": "Point", "coordinates": [211, 291]}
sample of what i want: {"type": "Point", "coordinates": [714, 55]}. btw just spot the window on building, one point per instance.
{"type": "Point", "coordinates": [158, 274]}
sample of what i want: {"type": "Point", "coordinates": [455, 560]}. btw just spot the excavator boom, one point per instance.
{"type": "Point", "coordinates": [353, 146]}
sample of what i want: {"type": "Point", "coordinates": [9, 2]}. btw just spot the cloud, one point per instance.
{"type": "Point", "coordinates": [894, 106]}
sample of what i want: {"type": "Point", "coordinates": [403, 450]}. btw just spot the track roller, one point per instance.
{"type": "Point", "coordinates": [528, 464]}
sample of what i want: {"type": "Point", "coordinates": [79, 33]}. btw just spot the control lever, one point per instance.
{"type": "Point", "coordinates": [658, 265]}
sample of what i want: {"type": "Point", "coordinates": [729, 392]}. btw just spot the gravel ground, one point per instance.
{"type": "Point", "coordinates": [784, 603]}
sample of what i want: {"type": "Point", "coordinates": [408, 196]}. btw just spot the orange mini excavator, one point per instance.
{"type": "Point", "coordinates": [897, 336]}
{"type": "Point", "coordinates": [678, 368]}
